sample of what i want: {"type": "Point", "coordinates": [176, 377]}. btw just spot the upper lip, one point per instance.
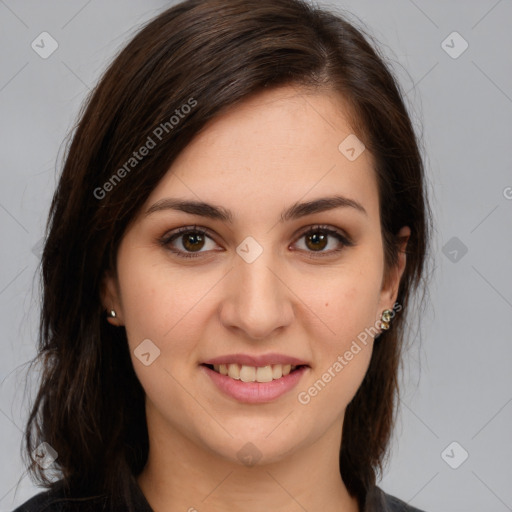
{"type": "Point", "coordinates": [261, 360]}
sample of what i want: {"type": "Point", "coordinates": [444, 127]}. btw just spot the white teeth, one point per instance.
{"type": "Point", "coordinates": [264, 374]}
{"type": "Point", "coordinates": [252, 373]}
{"type": "Point", "coordinates": [277, 371]}
{"type": "Point", "coordinates": [247, 373]}
{"type": "Point", "coordinates": [234, 371]}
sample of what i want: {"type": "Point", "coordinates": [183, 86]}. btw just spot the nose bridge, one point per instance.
{"type": "Point", "coordinates": [259, 302]}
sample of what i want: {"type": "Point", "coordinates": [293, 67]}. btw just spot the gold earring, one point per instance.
{"type": "Point", "coordinates": [385, 319]}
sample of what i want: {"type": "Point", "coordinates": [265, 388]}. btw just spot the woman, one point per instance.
{"type": "Point", "coordinates": [238, 228]}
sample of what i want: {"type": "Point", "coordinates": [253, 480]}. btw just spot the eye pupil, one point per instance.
{"type": "Point", "coordinates": [317, 237]}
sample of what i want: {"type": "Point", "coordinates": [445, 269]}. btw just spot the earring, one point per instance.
{"type": "Point", "coordinates": [385, 319]}
{"type": "Point", "coordinates": [112, 313]}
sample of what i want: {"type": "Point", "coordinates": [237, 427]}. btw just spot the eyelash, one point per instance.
{"type": "Point", "coordinates": [170, 237]}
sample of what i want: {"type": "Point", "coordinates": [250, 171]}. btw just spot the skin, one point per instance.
{"type": "Point", "coordinates": [277, 148]}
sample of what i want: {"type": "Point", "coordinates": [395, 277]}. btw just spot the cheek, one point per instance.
{"type": "Point", "coordinates": [158, 305]}
{"type": "Point", "coordinates": [342, 342]}
{"type": "Point", "coordinates": [347, 302]}
{"type": "Point", "coordinates": [353, 307]}
{"type": "Point", "coordinates": [350, 315]}
{"type": "Point", "coordinates": [156, 299]}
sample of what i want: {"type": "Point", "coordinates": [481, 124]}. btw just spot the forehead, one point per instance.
{"type": "Point", "coordinates": [273, 149]}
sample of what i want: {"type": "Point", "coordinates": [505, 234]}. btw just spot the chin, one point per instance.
{"type": "Point", "coordinates": [257, 449]}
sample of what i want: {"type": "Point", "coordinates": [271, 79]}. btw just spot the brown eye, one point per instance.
{"type": "Point", "coordinates": [316, 240]}
{"type": "Point", "coordinates": [193, 241]}
{"type": "Point", "coordinates": [319, 237]}
{"type": "Point", "coordinates": [187, 242]}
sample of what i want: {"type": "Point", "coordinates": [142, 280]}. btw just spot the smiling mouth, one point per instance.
{"type": "Point", "coordinates": [246, 373]}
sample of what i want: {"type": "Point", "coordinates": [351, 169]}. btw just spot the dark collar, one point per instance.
{"type": "Point", "coordinates": [55, 500]}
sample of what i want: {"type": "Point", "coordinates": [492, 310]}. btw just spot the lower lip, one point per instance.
{"type": "Point", "coordinates": [255, 392]}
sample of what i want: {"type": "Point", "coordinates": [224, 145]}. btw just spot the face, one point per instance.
{"type": "Point", "coordinates": [296, 288]}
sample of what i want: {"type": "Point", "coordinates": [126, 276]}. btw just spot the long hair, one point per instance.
{"type": "Point", "coordinates": [207, 55]}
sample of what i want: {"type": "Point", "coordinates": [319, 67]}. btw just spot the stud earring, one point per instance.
{"type": "Point", "coordinates": [112, 313]}
{"type": "Point", "coordinates": [385, 319]}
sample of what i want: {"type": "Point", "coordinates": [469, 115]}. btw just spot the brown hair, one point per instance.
{"type": "Point", "coordinates": [209, 55]}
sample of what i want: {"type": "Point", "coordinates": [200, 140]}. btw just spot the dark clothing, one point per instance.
{"type": "Point", "coordinates": [54, 501]}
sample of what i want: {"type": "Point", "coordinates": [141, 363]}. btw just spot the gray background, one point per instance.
{"type": "Point", "coordinates": [457, 383]}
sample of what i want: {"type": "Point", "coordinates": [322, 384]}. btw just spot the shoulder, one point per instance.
{"type": "Point", "coordinates": [380, 501]}
{"type": "Point", "coordinates": [55, 501]}
{"type": "Point", "coordinates": [397, 505]}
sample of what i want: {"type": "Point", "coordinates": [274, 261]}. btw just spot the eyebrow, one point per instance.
{"type": "Point", "coordinates": [296, 211]}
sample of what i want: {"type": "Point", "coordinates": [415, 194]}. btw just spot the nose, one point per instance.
{"type": "Point", "coordinates": [258, 301]}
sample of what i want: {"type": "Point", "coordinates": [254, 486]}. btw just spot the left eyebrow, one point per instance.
{"type": "Point", "coordinates": [295, 211]}
{"type": "Point", "coordinates": [323, 204]}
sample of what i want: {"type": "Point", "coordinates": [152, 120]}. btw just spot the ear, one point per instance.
{"type": "Point", "coordinates": [389, 291]}
{"type": "Point", "coordinates": [110, 298]}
